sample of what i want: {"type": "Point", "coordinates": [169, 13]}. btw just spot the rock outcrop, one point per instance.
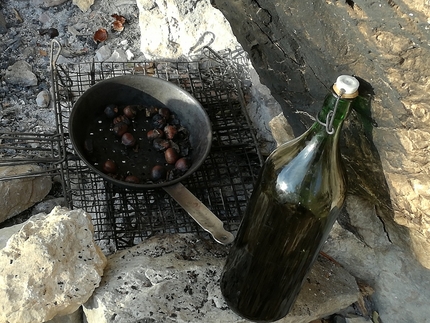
{"type": "Point", "coordinates": [49, 267]}
{"type": "Point", "coordinates": [176, 278]}
{"type": "Point", "coordinates": [401, 284]}
{"type": "Point", "coordinates": [299, 48]}
{"type": "Point", "coordinates": [174, 29]}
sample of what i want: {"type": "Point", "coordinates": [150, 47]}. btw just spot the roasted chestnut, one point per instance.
{"type": "Point", "coordinates": [122, 118]}
{"type": "Point", "coordinates": [183, 164]}
{"type": "Point", "coordinates": [111, 111]}
{"type": "Point", "coordinates": [118, 24]}
{"type": "Point", "coordinates": [170, 131]}
{"type": "Point", "coordinates": [171, 155]}
{"type": "Point", "coordinates": [161, 144]}
{"type": "Point", "coordinates": [100, 35]}
{"type": "Point", "coordinates": [150, 111]}
{"type": "Point", "coordinates": [167, 137]}
{"type": "Point", "coordinates": [158, 172]}
{"type": "Point", "coordinates": [132, 179]}
{"type": "Point", "coordinates": [130, 111]}
{"type": "Point", "coordinates": [120, 128]}
{"type": "Point", "coordinates": [109, 167]}
{"type": "Point", "coordinates": [158, 121]}
{"type": "Point", "coordinates": [154, 134]}
{"type": "Point", "coordinates": [128, 140]}
{"type": "Point", "coordinates": [165, 112]}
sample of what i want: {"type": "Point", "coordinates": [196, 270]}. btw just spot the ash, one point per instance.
{"type": "Point", "coordinates": [23, 37]}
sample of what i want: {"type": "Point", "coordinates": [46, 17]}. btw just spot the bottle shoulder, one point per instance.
{"type": "Point", "coordinates": [309, 140]}
{"type": "Point", "coordinates": [304, 170]}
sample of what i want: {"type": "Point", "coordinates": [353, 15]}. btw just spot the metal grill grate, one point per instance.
{"type": "Point", "coordinates": [124, 217]}
{"type": "Point", "coordinates": [44, 150]}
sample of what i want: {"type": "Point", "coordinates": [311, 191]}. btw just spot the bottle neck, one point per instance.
{"type": "Point", "coordinates": [333, 112]}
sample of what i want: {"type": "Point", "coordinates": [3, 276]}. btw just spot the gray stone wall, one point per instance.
{"type": "Point", "coordinates": [299, 47]}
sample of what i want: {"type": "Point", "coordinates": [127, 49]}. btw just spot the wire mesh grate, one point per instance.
{"type": "Point", "coordinates": [124, 217]}
{"type": "Point", "coordinates": [43, 150]}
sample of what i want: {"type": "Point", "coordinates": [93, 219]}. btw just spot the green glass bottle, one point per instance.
{"type": "Point", "coordinates": [298, 196]}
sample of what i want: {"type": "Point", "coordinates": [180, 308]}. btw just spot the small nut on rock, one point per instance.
{"type": "Point", "coordinates": [118, 24]}
{"type": "Point", "coordinates": [100, 35]}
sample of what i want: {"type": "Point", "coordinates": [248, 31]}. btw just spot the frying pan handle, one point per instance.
{"type": "Point", "coordinates": [200, 213]}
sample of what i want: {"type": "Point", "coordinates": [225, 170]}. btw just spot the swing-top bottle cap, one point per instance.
{"type": "Point", "coordinates": [348, 85]}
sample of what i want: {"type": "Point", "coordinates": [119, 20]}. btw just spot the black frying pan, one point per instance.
{"type": "Point", "coordinates": [87, 120]}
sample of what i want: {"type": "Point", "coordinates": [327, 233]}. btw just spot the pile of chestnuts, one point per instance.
{"type": "Point", "coordinates": [143, 130]}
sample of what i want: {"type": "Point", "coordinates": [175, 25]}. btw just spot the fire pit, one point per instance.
{"type": "Point", "coordinates": [123, 216]}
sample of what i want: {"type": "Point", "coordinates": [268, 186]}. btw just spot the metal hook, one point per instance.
{"type": "Point", "coordinates": [55, 44]}
{"type": "Point", "coordinates": [54, 57]}
{"type": "Point", "coordinates": [331, 115]}
{"type": "Point", "coordinates": [213, 55]}
{"type": "Point", "coordinates": [329, 125]}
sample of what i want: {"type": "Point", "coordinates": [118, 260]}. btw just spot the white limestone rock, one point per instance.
{"type": "Point", "coordinates": [328, 289]}
{"type": "Point", "coordinates": [50, 267]}
{"type": "Point", "coordinates": [84, 5]}
{"type": "Point", "coordinates": [21, 73]}
{"type": "Point", "coordinates": [103, 53]}
{"type": "Point", "coordinates": [43, 99]}
{"type": "Point", "coordinates": [7, 232]}
{"type": "Point", "coordinates": [173, 28]}
{"type": "Point", "coordinates": [281, 129]}
{"type": "Point", "coordinates": [175, 278]}
{"type": "Point", "coordinates": [17, 195]}
{"type": "Point", "coordinates": [118, 55]}
{"type": "Point", "coordinates": [75, 317]}
{"type": "Point", "coordinates": [261, 109]}
{"type": "Point", "coordinates": [167, 277]}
